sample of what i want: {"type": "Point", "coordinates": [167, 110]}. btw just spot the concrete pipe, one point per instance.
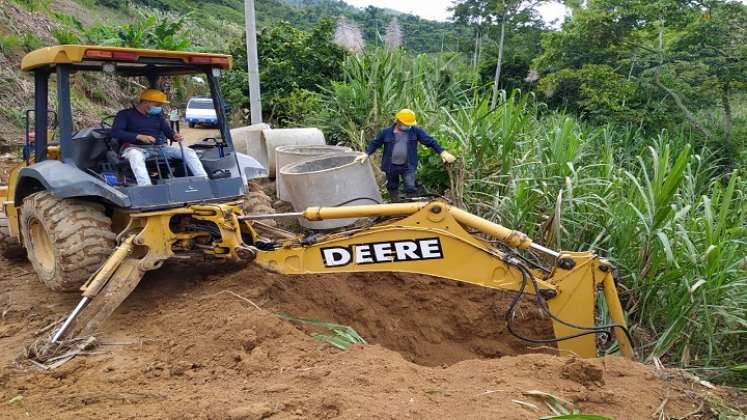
{"type": "Point", "coordinates": [330, 180]}
{"type": "Point", "coordinates": [274, 138]}
{"type": "Point", "coordinates": [248, 140]}
{"type": "Point", "coordinates": [286, 155]}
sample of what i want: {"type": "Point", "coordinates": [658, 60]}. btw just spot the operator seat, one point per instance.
{"type": "Point", "coordinates": [89, 147]}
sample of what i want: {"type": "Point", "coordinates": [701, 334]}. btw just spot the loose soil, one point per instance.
{"type": "Point", "coordinates": [190, 344]}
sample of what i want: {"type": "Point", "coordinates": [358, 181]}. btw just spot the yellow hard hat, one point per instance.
{"type": "Point", "coordinates": [153, 95]}
{"type": "Point", "coordinates": [406, 117]}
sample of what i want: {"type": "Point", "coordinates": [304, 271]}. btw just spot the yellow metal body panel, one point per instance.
{"type": "Point", "coordinates": [9, 192]}
{"type": "Point", "coordinates": [70, 54]}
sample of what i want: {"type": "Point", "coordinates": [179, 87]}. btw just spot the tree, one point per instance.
{"type": "Point", "coordinates": [679, 58]}
{"type": "Point", "coordinates": [293, 66]}
{"type": "Point", "coordinates": [503, 13]}
{"type": "Point", "coordinates": [716, 40]}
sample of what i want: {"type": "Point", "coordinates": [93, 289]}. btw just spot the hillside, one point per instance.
{"type": "Point", "coordinates": [419, 35]}
{"type": "Point", "coordinates": [212, 25]}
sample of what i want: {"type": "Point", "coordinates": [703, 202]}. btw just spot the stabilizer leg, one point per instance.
{"type": "Point", "coordinates": [103, 292]}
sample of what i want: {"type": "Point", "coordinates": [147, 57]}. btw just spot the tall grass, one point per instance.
{"type": "Point", "coordinates": [667, 215]}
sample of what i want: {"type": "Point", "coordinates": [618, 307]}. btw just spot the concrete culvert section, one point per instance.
{"type": "Point", "coordinates": [286, 155]}
{"type": "Point", "coordinates": [274, 138]}
{"type": "Point", "coordinates": [332, 180]}
{"type": "Point", "coordinates": [248, 140]}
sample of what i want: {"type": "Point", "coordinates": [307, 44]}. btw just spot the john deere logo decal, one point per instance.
{"type": "Point", "coordinates": [383, 252]}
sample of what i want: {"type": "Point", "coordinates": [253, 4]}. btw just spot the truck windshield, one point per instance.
{"type": "Point", "coordinates": [201, 105]}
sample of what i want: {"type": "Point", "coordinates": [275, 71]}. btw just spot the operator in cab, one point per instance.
{"type": "Point", "coordinates": [400, 159]}
{"type": "Point", "coordinates": [142, 132]}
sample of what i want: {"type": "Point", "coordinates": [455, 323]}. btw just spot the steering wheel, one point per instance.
{"type": "Point", "coordinates": [105, 124]}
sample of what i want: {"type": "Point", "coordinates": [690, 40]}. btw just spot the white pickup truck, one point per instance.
{"type": "Point", "coordinates": [200, 110]}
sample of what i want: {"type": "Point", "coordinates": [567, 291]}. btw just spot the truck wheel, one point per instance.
{"type": "Point", "coordinates": [10, 248]}
{"type": "Point", "coordinates": [66, 240]}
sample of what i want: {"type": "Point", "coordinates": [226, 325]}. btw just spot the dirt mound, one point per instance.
{"type": "Point", "coordinates": [190, 343]}
{"type": "Point", "coordinates": [429, 321]}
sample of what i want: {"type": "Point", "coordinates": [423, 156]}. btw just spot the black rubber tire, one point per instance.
{"type": "Point", "coordinates": [10, 247]}
{"type": "Point", "coordinates": [66, 240]}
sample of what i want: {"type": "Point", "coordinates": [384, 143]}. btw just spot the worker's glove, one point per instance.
{"type": "Point", "coordinates": [361, 158]}
{"type": "Point", "coordinates": [447, 157]}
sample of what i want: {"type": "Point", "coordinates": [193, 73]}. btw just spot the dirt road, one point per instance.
{"type": "Point", "coordinates": [190, 344]}
{"type": "Point", "coordinates": [193, 135]}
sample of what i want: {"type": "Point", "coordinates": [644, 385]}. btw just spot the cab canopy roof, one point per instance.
{"type": "Point", "coordinates": [128, 61]}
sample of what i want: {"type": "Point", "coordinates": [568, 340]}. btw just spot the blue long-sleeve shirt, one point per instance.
{"type": "Point", "coordinates": [386, 138]}
{"type": "Point", "coordinates": [130, 122]}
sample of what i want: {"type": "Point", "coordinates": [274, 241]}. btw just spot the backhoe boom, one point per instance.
{"type": "Point", "coordinates": [431, 238]}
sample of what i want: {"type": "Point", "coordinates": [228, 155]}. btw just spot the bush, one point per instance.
{"type": "Point", "coordinates": [31, 42]}
{"type": "Point", "coordinates": [9, 43]}
{"type": "Point", "coordinates": [34, 5]}
{"type": "Point", "coordinates": [293, 65]}
{"type": "Point", "coordinates": [65, 36]}
{"type": "Point", "coordinates": [146, 31]}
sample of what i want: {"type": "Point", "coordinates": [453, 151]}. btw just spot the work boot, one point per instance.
{"type": "Point", "coordinates": [393, 196]}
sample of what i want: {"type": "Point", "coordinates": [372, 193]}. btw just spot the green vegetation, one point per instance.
{"type": "Point", "coordinates": [15, 115]}
{"type": "Point", "coordinates": [65, 36]}
{"type": "Point", "coordinates": [339, 336]}
{"type": "Point", "coordinates": [31, 42]}
{"type": "Point", "coordinates": [670, 217]}
{"type": "Point", "coordinates": [34, 5]}
{"type": "Point", "coordinates": [293, 67]}
{"type": "Point", "coordinates": [227, 17]}
{"type": "Point", "coordinates": [9, 43]}
{"type": "Point", "coordinates": [145, 31]}
{"type": "Point", "coordinates": [562, 409]}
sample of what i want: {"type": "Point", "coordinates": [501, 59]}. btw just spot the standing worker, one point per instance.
{"type": "Point", "coordinates": [400, 159]}
{"type": "Point", "coordinates": [174, 121]}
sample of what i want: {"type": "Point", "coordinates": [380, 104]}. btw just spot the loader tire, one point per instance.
{"type": "Point", "coordinates": [66, 240]}
{"type": "Point", "coordinates": [10, 248]}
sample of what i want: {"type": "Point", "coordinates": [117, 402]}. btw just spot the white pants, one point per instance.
{"type": "Point", "coordinates": [137, 156]}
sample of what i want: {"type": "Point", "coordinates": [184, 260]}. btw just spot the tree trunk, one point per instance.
{"type": "Point", "coordinates": [728, 121]}
{"type": "Point", "coordinates": [475, 53]}
{"type": "Point", "coordinates": [498, 65]}
{"type": "Point", "coordinates": [677, 100]}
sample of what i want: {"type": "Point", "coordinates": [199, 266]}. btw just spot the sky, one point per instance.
{"type": "Point", "coordinates": [438, 9]}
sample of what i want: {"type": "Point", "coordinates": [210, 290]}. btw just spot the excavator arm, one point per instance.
{"type": "Point", "coordinates": [437, 239]}
{"type": "Point", "coordinates": [431, 238]}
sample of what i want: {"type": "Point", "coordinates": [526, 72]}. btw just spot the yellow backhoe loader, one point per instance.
{"type": "Point", "coordinates": [83, 225]}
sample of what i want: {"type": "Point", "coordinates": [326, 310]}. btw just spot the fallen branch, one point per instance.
{"type": "Point", "coordinates": [238, 296]}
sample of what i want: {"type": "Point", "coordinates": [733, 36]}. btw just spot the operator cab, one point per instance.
{"type": "Point", "coordinates": [89, 160]}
